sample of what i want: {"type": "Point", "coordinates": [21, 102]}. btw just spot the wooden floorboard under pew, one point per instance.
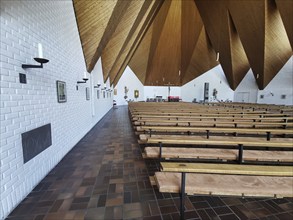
{"type": "Point", "coordinates": [218, 154]}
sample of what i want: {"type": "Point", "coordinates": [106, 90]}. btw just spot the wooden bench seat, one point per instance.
{"type": "Point", "coordinates": [227, 169]}
{"type": "Point", "coordinates": [217, 140]}
{"type": "Point", "coordinates": [242, 124]}
{"type": "Point", "coordinates": [224, 179]}
{"type": "Point", "coordinates": [211, 130]}
{"type": "Point", "coordinates": [228, 185]}
{"type": "Point", "coordinates": [218, 154]}
{"type": "Point", "coordinates": [143, 114]}
{"type": "Point", "coordinates": [213, 116]}
{"type": "Point", "coordinates": [136, 117]}
{"type": "Point", "coordinates": [220, 118]}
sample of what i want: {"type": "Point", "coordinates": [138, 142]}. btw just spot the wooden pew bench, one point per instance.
{"type": "Point", "coordinates": [219, 118]}
{"type": "Point", "coordinates": [256, 113]}
{"type": "Point", "coordinates": [204, 114]}
{"type": "Point", "coordinates": [269, 132]}
{"type": "Point", "coordinates": [216, 140]}
{"type": "Point", "coordinates": [236, 124]}
{"type": "Point", "coordinates": [222, 141]}
{"type": "Point", "coordinates": [218, 154]}
{"type": "Point", "coordinates": [224, 179]}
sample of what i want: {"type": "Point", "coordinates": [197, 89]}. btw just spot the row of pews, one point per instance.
{"type": "Point", "coordinates": [219, 148]}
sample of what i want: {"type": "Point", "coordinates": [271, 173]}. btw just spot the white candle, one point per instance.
{"type": "Point", "coordinates": [84, 75]}
{"type": "Point", "coordinates": [99, 83]}
{"type": "Point", "coordinates": [218, 56]}
{"type": "Point", "coordinates": [40, 50]}
{"type": "Point", "coordinates": [105, 86]}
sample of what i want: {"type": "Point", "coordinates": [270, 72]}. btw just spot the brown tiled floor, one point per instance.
{"type": "Point", "coordinates": [105, 177]}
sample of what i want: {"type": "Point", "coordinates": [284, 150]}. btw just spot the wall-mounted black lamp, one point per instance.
{"type": "Point", "coordinates": [84, 79]}
{"type": "Point", "coordinates": [105, 87]}
{"type": "Point", "coordinates": [39, 59]}
{"type": "Point", "coordinates": [98, 85]}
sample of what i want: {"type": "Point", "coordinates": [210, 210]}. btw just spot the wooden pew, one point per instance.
{"type": "Point", "coordinates": [215, 130]}
{"type": "Point", "coordinates": [222, 141]}
{"type": "Point", "coordinates": [218, 154]}
{"type": "Point", "coordinates": [206, 114]}
{"type": "Point", "coordinates": [243, 124]}
{"type": "Point", "coordinates": [214, 118]}
{"type": "Point", "coordinates": [224, 179]}
{"type": "Point", "coordinates": [216, 140]}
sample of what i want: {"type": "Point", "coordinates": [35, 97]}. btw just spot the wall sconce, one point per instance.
{"type": "Point", "coordinates": [38, 59]}
{"type": "Point", "coordinates": [105, 87]}
{"type": "Point", "coordinates": [98, 85]}
{"type": "Point", "coordinates": [84, 79]}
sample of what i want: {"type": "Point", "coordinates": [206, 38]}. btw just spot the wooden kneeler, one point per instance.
{"type": "Point", "coordinates": [222, 170]}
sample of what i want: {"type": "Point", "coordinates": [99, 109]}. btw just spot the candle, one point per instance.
{"type": "Point", "coordinates": [99, 82]}
{"type": "Point", "coordinates": [40, 50]}
{"type": "Point", "coordinates": [218, 56]}
{"type": "Point", "coordinates": [84, 75]}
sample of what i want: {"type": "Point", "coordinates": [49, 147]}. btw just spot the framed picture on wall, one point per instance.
{"type": "Point", "coordinates": [136, 93]}
{"type": "Point", "coordinates": [87, 93]}
{"type": "Point", "coordinates": [61, 91]}
{"type": "Point", "coordinates": [98, 94]}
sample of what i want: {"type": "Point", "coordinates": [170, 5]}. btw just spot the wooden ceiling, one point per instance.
{"type": "Point", "coordinates": [171, 42]}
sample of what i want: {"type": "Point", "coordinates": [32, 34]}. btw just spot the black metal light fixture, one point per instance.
{"type": "Point", "coordinates": [105, 87]}
{"type": "Point", "coordinates": [98, 85]}
{"type": "Point", "coordinates": [84, 79]}
{"type": "Point", "coordinates": [38, 59]}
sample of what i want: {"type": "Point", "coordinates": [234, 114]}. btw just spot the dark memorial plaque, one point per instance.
{"type": "Point", "coordinates": [36, 141]}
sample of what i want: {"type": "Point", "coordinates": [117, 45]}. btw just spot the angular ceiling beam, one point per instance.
{"type": "Point", "coordinates": [139, 61]}
{"type": "Point", "coordinates": [238, 60]}
{"type": "Point", "coordinates": [203, 58]}
{"type": "Point", "coordinates": [114, 21]}
{"type": "Point", "coordinates": [286, 9]}
{"type": "Point", "coordinates": [164, 66]}
{"type": "Point", "coordinates": [269, 49]}
{"type": "Point", "coordinates": [191, 26]}
{"type": "Point", "coordinates": [139, 29]}
{"type": "Point", "coordinates": [120, 36]}
{"type": "Point", "coordinates": [145, 51]}
{"type": "Point", "coordinates": [225, 40]}
{"type": "Point", "coordinates": [97, 21]}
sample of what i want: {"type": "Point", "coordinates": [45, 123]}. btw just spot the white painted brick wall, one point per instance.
{"type": "Point", "coordinates": [23, 107]}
